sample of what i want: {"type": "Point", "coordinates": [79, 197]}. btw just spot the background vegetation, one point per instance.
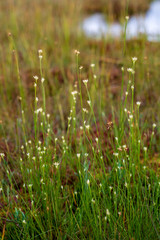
{"type": "Point", "coordinates": [79, 159]}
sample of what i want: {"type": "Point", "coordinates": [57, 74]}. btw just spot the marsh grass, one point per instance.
{"type": "Point", "coordinates": [90, 177]}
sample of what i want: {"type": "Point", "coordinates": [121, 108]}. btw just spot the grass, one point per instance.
{"type": "Point", "coordinates": [80, 129]}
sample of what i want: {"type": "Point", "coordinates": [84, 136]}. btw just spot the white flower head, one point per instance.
{"type": "Point", "coordinates": [88, 182]}
{"type": "Point", "coordinates": [85, 81]}
{"type": "Point", "coordinates": [154, 125]}
{"type": "Point", "coordinates": [42, 80]}
{"type": "Point", "coordinates": [92, 65]}
{"type": "Point", "coordinates": [134, 59]}
{"type": "Point", "coordinates": [35, 77]}
{"type": "Point", "coordinates": [138, 103]}
{"type": "Point", "coordinates": [76, 52]}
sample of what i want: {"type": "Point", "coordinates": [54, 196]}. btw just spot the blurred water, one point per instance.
{"type": "Point", "coordinates": [96, 25]}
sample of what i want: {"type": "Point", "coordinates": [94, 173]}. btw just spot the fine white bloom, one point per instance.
{"type": "Point", "coordinates": [93, 201]}
{"type": "Point", "coordinates": [74, 93]}
{"type": "Point", "coordinates": [2, 155]}
{"type": "Point", "coordinates": [154, 125]}
{"type": "Point", "coordinates": [138, 103]}
{"type": "Point", "coordinates": [115, 154]}
{"type": "Point", "coordinates": [85, 81]}
{"type": "Point", "coordinates": [87, 127]}
{"type": "Point", "coordinates": [107, 212]}
{"type": "Point", "coordinates": [42, 80]}
{"type": "Point", "coordinates": [130, 70]}
{"type": "Point", "coordinates": [40, 51]}
{"type": "Point", "coordinates": [134, 59]}
{"type": "Point", "coordinates": [56, 164]}
{"type": "Point", "coordinates": [145, 149]}
{"type": "Point", "coordinates": [78, 155]}
{"type": "Point", "coordinates": [92, 65]}
{"type": "Point", "coordinates": [88, 182]}
{"type": "Point", "coordinates": [76, 52]}
{"type": "Point", "coordinates": [85, 110]}
{"type": "Point", "coordinates": [89, 103]}
{"type": "Point", "coordinates": [35, 77]}
{"type": "Point", "coordinates": [127, 18]}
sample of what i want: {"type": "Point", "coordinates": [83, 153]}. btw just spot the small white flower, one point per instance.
{"type": "Point", "coordinates": [145, 149]}
{"type": "Point", "coordinates": [76, 52]}
{"type": "Point", "coordinates": [138, 103]}
{"type": "Point", "coordinates": [126, 93]}
{"type": "Point", "coordinates": [89, 102]}
{"type": "Point", "coordinates": [56, 164]}
{"type": "Point", "coordinates": [134, 59]}
{"type": "Point", "coordinates": [42, 80]}
{"type": "Point", "coordinates": [130, 70]}
{"type": "Point", "coordinates": [154, 125]}
{"type": "Point", "coordinates": [85, 81]}
{"type": "Point", "coordinates": [88, 182]}
{"type": "Point", "coordinates": [93, 201]}
{"type": "Point", "coordinates": [107, 212]}
{"type": "Point", "coordinates": [39, 110]}
{"type": "Point", "coordinates": [115, 154]}
{"type": "Point", "coordinates": [24, 221]}
{"type": "Point", "coordinates": [94, 76]}
{"type": "Point", "coordinates": [87, 127]}
{"type": "Point", "coordinates": [92, 65]}
{"type": "Point", "coordinates": [132, 87]}
{"type": "Point", "coordinates": [35, 77]}
{"type": "Point", "coordinates": [74, 93]}
{"type": "Point", "coordinates": [127, 18]}
{"type": "Point", "coordinates": [40, 51]}
{"type": "Point", "coordinates": [2, 155]}
{"type": "Point", "coordinates": [78, 155]}
{"type": "Point", "coordinates": [85, 110]}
